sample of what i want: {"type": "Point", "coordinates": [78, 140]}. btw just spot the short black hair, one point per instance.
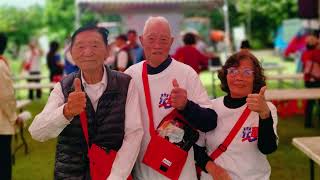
{"type": "Point", "coordinates": [122, 37]}
{"type": "Point", "coordinates": [91, 27]}
{"type": "Point", "coordinates": [53, 46]}
{"type": "Point", "coordinates": [313, 32]}
{"type": "Point", "coordinates": [245, 44]}
{"type": "Point", "coordinates": [189, 39]}
{"type": "Point", "coordinates": [3, 42]}
{"type": "Point", "coordinates": [132, 31]}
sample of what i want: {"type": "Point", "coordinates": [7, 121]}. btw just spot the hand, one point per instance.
{"type": "Point", "coordinates": [19, 121]}
{"type": "Point", "coordinates": [76, 101]}
{"type": "Point", "coordinates": [217, 172]}
{"type": "Point", "coordinates": [178, 96]}
{"type": "Point", "coordinates": [257, 103]}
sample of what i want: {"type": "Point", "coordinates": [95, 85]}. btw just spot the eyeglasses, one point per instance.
{"type": "Point", "coordinates": [246, 72]}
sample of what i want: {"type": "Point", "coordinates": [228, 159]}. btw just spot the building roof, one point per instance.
{"type": "Point", "coordinates": [128, 5]}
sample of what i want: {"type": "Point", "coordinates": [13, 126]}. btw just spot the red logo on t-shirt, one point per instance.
{"type": "Point", "coordinates": [250, 134]}
{"type": "Point", "coordinates": [165, 101]}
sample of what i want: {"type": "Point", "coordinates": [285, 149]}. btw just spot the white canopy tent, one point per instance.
{"type": "Point", "coordinates": [134, 13]}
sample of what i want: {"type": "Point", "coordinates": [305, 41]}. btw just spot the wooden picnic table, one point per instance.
{"type": "Point", "coordinates": [295, 78]}
{"type": "Point", "coordinates": [298, 76]}
{"type": "Point", "coordinates": [33, 86]}
{"type": "Point", "coordinates": [29, 77]}
{"type": "Point", "coordinates": [292, 94]}
{"type": "Point", "coordinates": [22, 103]}
{"type": "Point", "coordinates": [310, 146]}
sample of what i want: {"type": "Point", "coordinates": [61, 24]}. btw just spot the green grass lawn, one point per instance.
{"type": "Point", "coordinates": [287, 162]}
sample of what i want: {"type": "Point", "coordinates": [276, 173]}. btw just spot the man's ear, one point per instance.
{"type": "Point", "coordinates": [108, 50]}
{"type": "Point", "coordinates": [171, 41]}
{"type": "Point", "coordinates": [141, 40]}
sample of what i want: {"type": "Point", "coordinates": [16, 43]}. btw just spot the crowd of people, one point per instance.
{"type": "Point", "coordinates": [140, 113]}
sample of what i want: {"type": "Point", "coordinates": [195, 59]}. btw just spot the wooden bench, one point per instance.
{"type": "Point", "coordinates": [292, 94]}
{"type": "Point", "coordinates": [282, 77]}
{"type": "Point", "coordinates": [291, 101]}
{"type": "Point", "coordinates": [33, 86]}
{"type": "Point", "coordinates": [29, 77]}
{"type": "Point", "coordinates": [21, 104]}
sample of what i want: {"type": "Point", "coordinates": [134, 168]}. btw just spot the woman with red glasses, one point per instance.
{"type": "Point", "coordinates": [237, 147]}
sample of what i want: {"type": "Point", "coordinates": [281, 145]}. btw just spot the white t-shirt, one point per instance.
{"type": "Point", "coordinates": [122, 59]}
{"type": "Point", "coordinates": [160, 89]}
{"type": "Point", "coordinates": [242, 159]}
{"type": "Point", "coordinates": [34, 59]}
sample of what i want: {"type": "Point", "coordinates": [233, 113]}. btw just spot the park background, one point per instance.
{"type": "Point", "coordinates": [261, 20]}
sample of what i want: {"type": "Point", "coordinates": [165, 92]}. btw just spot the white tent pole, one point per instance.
{"type": "Point", "coordinates": [77, 11]}
{"type": "Point", "coordinates": [226, 28]}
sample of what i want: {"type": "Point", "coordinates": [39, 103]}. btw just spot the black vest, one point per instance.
{"type": "Point", "coordinates": [105, 126]}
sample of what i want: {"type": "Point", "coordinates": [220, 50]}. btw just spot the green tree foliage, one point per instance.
{"type": "Point", "coordinates": [59, 17]}
{"type": "Point", "coordinates": [262, 17]}
{"type": "Point", "coordinates": [21, 24]}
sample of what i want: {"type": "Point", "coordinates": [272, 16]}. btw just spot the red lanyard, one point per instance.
{"type": "Point", "coordinates": [223, 147]}
{"type": "Point", "coordinates": [84, 125]}
{"type": "Point", "coordinates": [148, 97]}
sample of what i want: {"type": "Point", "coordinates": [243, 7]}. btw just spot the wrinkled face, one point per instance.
{"type": "Point", "coordinates": [240, 79]}
{"type": "Point", "coordinates": [89, 50]}
{"type": "Point", "coordinates": [156, 41]}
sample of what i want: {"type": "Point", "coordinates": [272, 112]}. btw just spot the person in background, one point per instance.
{"type": "Point", "coordinates": [69, 64]}
{"type": "Point", "coordinates": [54, 63]}
{"type": "Point", "coordinates": [311, 68]}
{"type": "Point", "coordinates": [200, 43]}
{"type": "Point", "coordinates": [111, 105]}
{"type": "Point", "coordinates": [245, 45]}
{"type": "Point", "coordinates": [123, 58]}
{"type": "Point", "coordinates": [32, 64]}
{"type": "Point", "coordinates": [135, 49]}
{"type": "Point", "coordinates": [243, 80]}
{"type": "Point", "coordinates": [8, 114]}
{"type": "Point", "coordinates": [189, 55]}
{"type": "Point", "coordinates": [173, 86]}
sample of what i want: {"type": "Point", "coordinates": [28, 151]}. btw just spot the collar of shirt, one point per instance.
{"type": "Point", "coordinates": [103, 82]}
{"type": "Point", "coordinates": [233, 103]}
{"type": "Point", "coordinates": [151, 70]}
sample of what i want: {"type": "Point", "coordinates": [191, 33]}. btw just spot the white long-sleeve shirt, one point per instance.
{"type": "Point", "coordinates": [51, 121]}
{"type": "Point", "coordinates": [8, 114]}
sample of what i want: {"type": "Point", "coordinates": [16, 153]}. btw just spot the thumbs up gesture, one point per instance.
{"type": "Point", "coordinates": [178, 96]}
{"type": "Point", "coordinates": [76, 101]}
{"type": "Point", "coordinates": [257, 103]}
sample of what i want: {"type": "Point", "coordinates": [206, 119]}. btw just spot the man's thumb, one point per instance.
{"type": "Point", "coordinates": [263, 90]}
{"type": "Point", "coordinates": [77, 85]}
{"type": "Point", "coordinates": [175, 83]}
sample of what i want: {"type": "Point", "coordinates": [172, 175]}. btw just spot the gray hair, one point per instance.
{"type": "Point", "coordinates": [159, 19]}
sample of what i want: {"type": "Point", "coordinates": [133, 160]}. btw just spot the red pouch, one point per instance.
{"type": "Point", "coordinates": [56, 78]}
{"type": "Point", "coordinates": [26, 66]}
{"type": "Point", "coordinates": [100, 162]}
{"type": "Point", "coordinates": [165, 157]}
